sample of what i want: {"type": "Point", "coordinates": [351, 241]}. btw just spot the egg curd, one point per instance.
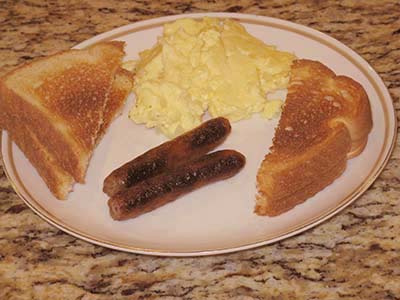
{"type": "Point", "coordinates": [206, 65]}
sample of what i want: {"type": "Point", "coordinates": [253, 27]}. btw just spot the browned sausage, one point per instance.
{"type": "Point", "coordinates": [157, 191]}
{"type": "Point", "coordinates": [169, 155]}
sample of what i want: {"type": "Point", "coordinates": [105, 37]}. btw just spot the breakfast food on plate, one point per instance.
{"type": "Point", "coordinates": [168, 155]}
{"type": "Point", "coordinates": [57, 108]}
{"type": "Point", "coordinates": [157, 191]}
{"type": "Point", "coordinates": [325, 121]}
{"type": "Point", "coordinates": [56, 178]}
{"type": "Point", "coordinates": [121, 87]}
{"type": "Point", "coordinates": [207, 64]}
{"type": "Point", "coordinates": [172, 169]}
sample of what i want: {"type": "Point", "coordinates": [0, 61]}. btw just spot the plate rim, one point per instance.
{"type": "Point", "coordinates": [347, 52]}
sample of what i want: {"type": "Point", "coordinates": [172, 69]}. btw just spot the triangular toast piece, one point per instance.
{"type": "Point", "coordinates": [62, 98]}
{"type": "Point", "coordinates": [325, 121]}
{"type": "Point", "coordinates": [57, 179]}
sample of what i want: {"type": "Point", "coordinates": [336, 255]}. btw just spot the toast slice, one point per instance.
{"type": "Point", "coordinates": [325, 121]}
{"type": "Point", "coordinates": [62, 99]}
{"type": "Point", "coordinates": [42, 147]}
{"type": "Point", "coordinates": [56, 178]}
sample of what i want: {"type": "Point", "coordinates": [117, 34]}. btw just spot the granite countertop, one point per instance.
{"type": "Point", "coordinates": [354, 255]}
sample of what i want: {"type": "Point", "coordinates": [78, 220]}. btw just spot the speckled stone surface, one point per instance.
{"type": "Point", "coordinates": [354, 255]}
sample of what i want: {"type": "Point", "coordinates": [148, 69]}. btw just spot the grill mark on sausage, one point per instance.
{"type": "Point", "coordinates": [168, 156]}
{"type": "Point", "coordinates": [165, 188]}
{"type": "Point", "coordinates": [144, 171]}
{"type": "Point", "coordinates": [210, 134]}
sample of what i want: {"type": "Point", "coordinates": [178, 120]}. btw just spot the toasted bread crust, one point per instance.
{"type": "Point", "coordinates": [67, 156]}
{"type": "Point", "coordinates": [57, 109]}
{"type": "Point", "coordinates": [291, 181]}
{"type": "Point", "coordinates": [122, 86]}
{"type": "Point", "coordinates": [325, 121]}
{"type": "Point", "coordinates": [63, 98]}
{"type": "Point", "coordinates": [55, 177]}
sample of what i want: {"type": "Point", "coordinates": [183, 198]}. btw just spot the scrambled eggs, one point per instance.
{"type": "Point", "coordinates": [208, 64]}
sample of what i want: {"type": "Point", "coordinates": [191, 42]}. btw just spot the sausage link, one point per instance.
{"type": "Point", "coordinates": [157, 191]}
{"type": "Point", "coordinates": [169, 155]}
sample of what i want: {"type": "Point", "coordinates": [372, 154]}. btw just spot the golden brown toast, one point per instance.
{"type": "Point", "coordinates": [56, 178]}
{"type": "Point", "coordinates": [122, 86]}
{"type": "Point", "coordinates": [62, 99]}
{"type": "Point", "coordinates": [53, 120]}
{"type": "Point", "coordinates": [325, 121]}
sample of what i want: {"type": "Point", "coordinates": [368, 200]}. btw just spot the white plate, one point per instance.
{"type": "Point", "coordinates": [218, 218]}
